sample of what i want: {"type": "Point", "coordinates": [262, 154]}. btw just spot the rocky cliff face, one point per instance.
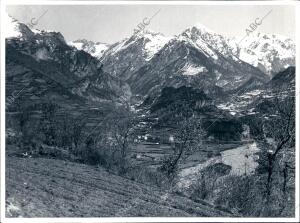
{"type": "Point", "coordinates": [197, 57]}
{"type": "Point", "coordinates": [127, 56]}
{"type": "Point", "coordinates": [270, 53]}
{"type": "Point", "coordinates": [47, 56]}
{"type": "Point", "coordinates": [183, 61]}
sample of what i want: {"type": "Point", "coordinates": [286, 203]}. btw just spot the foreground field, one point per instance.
{"type": "Point", "coordinates": [38, 187]}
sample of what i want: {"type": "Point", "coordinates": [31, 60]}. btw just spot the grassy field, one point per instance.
{"type": "Point", "coordinates": [152, 154]}
{"type": "Point", "coordinates": [39, 187]}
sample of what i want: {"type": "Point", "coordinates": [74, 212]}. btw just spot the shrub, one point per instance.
{"type": "Point", "coordinates": [168, 167]}
{"type": "Point", "coordinates": [149, 176]}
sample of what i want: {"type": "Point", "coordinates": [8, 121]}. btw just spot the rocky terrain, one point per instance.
{"type": "Point", "coordinates": [84, 119]}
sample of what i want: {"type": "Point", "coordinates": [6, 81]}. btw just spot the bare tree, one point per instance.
{"type": "Point", "coordinates": [120, 134]}
{"type": "Point", "coordinates": [188, 137]}
{"type": "Point", "coordinates": [279, 137]}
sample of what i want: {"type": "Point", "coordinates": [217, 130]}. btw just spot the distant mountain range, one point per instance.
{"type": "Point", "coordinates": [143, 69]}
{"type": "Point", "coordinates": [197, 57]}
{"type": "Point", "coordinates": [45, 57]}
{"type": "Point", "coordinates": [268, 52]}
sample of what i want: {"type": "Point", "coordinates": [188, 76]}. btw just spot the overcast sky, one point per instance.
{"type": "Point", "coordinates": [112, 23]}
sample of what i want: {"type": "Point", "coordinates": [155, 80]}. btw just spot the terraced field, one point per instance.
{"type": "Point", "coordinates": [151, 154]}
{"type": "Point", "coordinates": [38, 187]}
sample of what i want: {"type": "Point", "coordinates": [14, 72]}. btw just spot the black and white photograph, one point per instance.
{"type": "Point", "coordinates": [134, 111]}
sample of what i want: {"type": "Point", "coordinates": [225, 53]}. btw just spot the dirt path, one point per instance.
{"type": "Point", "coordinates": [37, 187]}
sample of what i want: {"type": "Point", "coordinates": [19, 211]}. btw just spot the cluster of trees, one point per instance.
{"type": "Point", "coordinates": [107, 144]}
{"type": "Point", "coordinates": [270, 191]}
{"type": "Point", "coordinates": [111, 141]}
{"type": "Point", "coordinates": [277, 158]}
{"type": "Point", "coordinates": [48, 127]}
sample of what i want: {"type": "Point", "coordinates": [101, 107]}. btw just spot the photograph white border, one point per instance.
{"type": "Point", "coordinates": [4, 3]}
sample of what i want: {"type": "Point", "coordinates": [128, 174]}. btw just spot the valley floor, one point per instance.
{"type": "Point", "coordinates": [39, 187]}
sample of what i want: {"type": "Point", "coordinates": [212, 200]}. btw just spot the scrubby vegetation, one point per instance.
{"type": "Point", "coordinates": [56, 134]}
{"type": "Point", "coordinates": [269, 191]}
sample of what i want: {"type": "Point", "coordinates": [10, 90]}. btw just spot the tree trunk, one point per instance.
{"type": "Point", "coordinates": [285, 176]}
{"type": "Point", "coordinates": [270, 172]}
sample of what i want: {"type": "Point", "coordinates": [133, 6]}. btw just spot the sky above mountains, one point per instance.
{"type": "Point", "coordinates": [111, 23]}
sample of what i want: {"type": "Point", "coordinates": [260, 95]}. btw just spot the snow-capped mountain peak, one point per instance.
{"type": "Point", "coordinates": [12, 29]}
{"type": "Point", "coordinates": [202, 36]}
{"type": "Point", "coordinates": [19, 30]}
{"type": "Point", "coordinates": [269, 52]}
{"type": "Point", "coordinates": [153, 43]}
{"type": "Point", "coordinates": [146, 33]}
{"type": "Point", "coordinates": [200, 28]}
{"type": "Point", "coordinates": [130, 54]}
{"type": "Point", "coordinates": [15, 29]}
{"type": "Point", "coordinates": [95, 49]}
{"type": "Point", "coordinates": [148, 41]}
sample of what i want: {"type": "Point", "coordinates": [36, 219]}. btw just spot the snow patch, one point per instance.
{"type": "Point", "coordinates": [201, 45]}
{"type": "Point", "coordinates": [94, 49]}
{"type": "Point", "coordinates": [265, 51]}
{"type": "Point", "coordinates": [12, 27]}
{"type": "Point", "coordinates": [154, 44]}
{"type": "Point", "coordinates": [77, 45]}
{"type": "Point", "coordinates": [100, 50]}
{"type": "Point", "coordinates": [191, 69]}
{"type": "Point", "coordinates": [42, 54]}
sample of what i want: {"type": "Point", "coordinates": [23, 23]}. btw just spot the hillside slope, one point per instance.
{"type": "Point", "coordinates": [38, 187]}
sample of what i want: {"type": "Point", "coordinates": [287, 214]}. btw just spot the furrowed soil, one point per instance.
{"type": "Point", "coordinates": [40, 187]}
